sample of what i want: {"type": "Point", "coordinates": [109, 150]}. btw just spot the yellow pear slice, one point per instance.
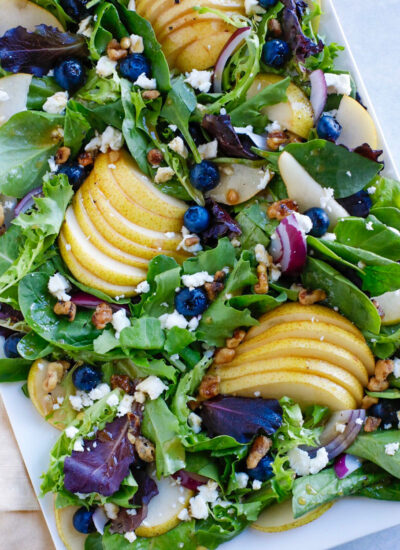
{"type": "Point", "coordinates": [305, 389]}
{"type": "Point", "coordinates": [296, 114]}
{"type": "Point", "coordinates": [17, 88]}
{"type": "Point", "coordinates": [72, 539]}
{"type": "Point", "coordinates": [41, 399]}
{"type": "Point", "coordinates": [25, 14]}
{"type": "Point", "coordinates": [340, 376]}
{"type": "Point", "coordinates": [188, 20]}
{"type": "Point", "coordinates": [293, 311]}
{"type": "Point", "coordinates": [306, 348]}
{"type": "Point", "coordinates": [88, 278]}
{"type": "Point", "coordinates": [302, 188]}
{"type": "Point", "coordinates": [164, 508]}
{"type": "Point", "coordinates": [185, 35]}
{"type": "Point", "coordinates": [322, 332]}
{"type": "Point", "coordinates": [94, 260]}
{"type": "Point", "coordinates": [390, 304]}
{"type": "Point", "coordinates": [245, 180]}
{"type": "Point", "coordinates": [357, 124]}
{"type": "Point", "coordinates": [203, 53]}
{"type": "Point", "coordinates": [279, 517]}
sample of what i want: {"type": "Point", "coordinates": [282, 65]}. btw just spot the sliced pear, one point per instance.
{"type": "Point", "coordinates": [302, 188]}
{"type": "Point", "coordinates": [390, 304]}
{"type": "Point", "coordinates": [72, 539]}
{"type": "Point", "coordinates": [17, 88]}
{"type": "Point", "coordinates": [186, 35]}
{"type": "Point", "coordinates": [203, 53]}
{"type": "Point", "coordinates": [25, 14]}
{"type": "Point", "coordinates": [305, 389]}
{"type": "Point", "coordinates": [340, 376]}
{"type": "Point", "coordinates": [296, 114]}
{"type": "Point", "coordinates": [245, 180]}
{"type": "Point", "coordinates": [279, 517]}
{"type": "Point", "coordinates": [42, 400]}
{"type": "Point", "coordinates": [163, 511]}
{"type": "Point", "coordinates": [357, 124]}
{"type": "Point", "coordinates": [88, 278]}
{"type": "Point", "coordinates": [293, 311]}
{"type": "Point", "coordinates": [188, 20]}
{"type": "Point", "coordinates": [302, 347]}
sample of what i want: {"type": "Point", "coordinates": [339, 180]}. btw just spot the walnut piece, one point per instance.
{"type": "Point", "coordinates": [102, 315]}
{"type": "Point", "coordinates": [282, 209]}
{"type": "Point", "coordinates": [262, 286]}
{"type": "Point", "coordinates": [209, 387]}
{"type": "Point", "coordinates": [224, 355]}
{"type": "Point", "coordinates": [85, 159]}
{"type": "Point", "coordinates": [309, 297]}
{"type": "Point", "coordinates": [276, 139]}
{"type": "Point", "coordinates": [66, 308]}
{"type": "Point", "coordinates": [372, 424]}
{"type": "Point", "coordinates": [155, 157]}
{"type": "Point", "coordinates": [54, 374]}
{"type": "Point", "coordinates": [259, 449]}
{"type": "Point", "coordinates": [383, 368]}
{"type": "Point", "coordinates": [62, 155]}
{"type": "Point", "coordinates": [145, 449]}
{"type": "Point", "coordinates": [274, 27]}
{"type": "Point", "coordinates": [377, 385]}
{"type": "Point", "coordinates": [237, 338]}
{"type": "Point", "coordinates": [368, 401]}
{"type": "Point", "coordinates": [150, 94]}
{"type": "Point", "coordinates": [115, 51]}
{"type": "Point", "coordinates": [213, 289]}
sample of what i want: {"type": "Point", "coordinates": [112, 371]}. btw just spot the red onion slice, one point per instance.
{"type": "Point", "coordinates": [28, 201]}
{"type": "Point", "coordinates": [289, 247]}
{"type": "Point", "coordinates": [346, 465]}
{"type": "Point", "coordinates": [232, 44]}
{"type": "Point", "coordinates": [319, 92]}
{"type": "Point", "coordinates": [83, 299]}
{"type": "Point", "coordinates": [189, 480]}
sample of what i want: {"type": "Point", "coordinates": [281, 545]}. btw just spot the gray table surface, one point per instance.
{"type": "Point", "coordinates": [373, 30]}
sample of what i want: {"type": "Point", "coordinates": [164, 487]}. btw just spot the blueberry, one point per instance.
{"type": "Point", "coordinates": [10, 345]}
{"type": "Point", "coordinates": [328, 128]}
{"type": "Point", "coordinates": [134, 65]}
{"type": "Point", "coordinates": [191, 302]}
{"type": "Point", "coordinates": [263, 470]}
{"type": "Point", "coordinates": [196, 219]}
{"type": "Point", "coordinates": [70, 74]}
{"type": "Point", "coordinates": [267, 4]}
{"type": "Point", "coordinates": [386, 409]}
{"type": "Point", "coordinates": [75, 173]}
{"type": "Point", "coordinates": [320, 221]}
{"type": "Point", "coordinates": [204, 176]}
{"type": "Point", "coordinates": [83, 520]}
{"type": "Point", "coordinates": [358, 204]}
{"type": "Point", "coordinates": [276, 53]}
{"type": "Point", "coordinates": [75, 8]}
{"type": "Point", "coordinates": [86, 377]}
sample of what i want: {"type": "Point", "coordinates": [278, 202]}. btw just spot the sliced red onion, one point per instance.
{"type": "Point", "coordinates": [100, 519]}
{"type": "Point", "coordinates": [189, 480]}
{"type": "Point", "coordinates": [83, 299]}
{"type": "Point", "coordinates": [346, 465]}
{"type": "Point", "coordinates": [233, 43]}
{"type": "Point", "coordinates": [27, 202]}
{"type": "Point", "coordinates": [289, 246]}
{"type": "Point", "coordinates": [259, 141]}
{"type": "Point", "coordinates": [319, 92]}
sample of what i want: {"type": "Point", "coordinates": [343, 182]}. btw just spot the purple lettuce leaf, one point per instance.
{"type": "Point", "coordinates": [222, 224]}
{"type": "Point", "coordinates": [102, 467]}
{"type": "Point", "coordinates": [220, 127]}
{"type": "Point", "coordinates": [301, 46]}
{"type": "Point", "coordinates": [241, 417]}
{"type": "Point", "coordinates": [366, 151]}
{"type": "Point", "coordinates": [37, 52]}
{"type": "Point", "coordinates": [7, 312]}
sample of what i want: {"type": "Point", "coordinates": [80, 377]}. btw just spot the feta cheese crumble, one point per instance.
{"type": "Point", "coordinates": [200, 80]}
{"type": "Point", "coordinates": [396, 369]}
{"type": "Point", "coordinates": [186, 236]}
{"type": "Point", "coordinates": [326, 198]}
{"type": "Point", "coordinates": [252, 7]}
{"type": "Point", "coordinates": [304, 222]}
{"type": "Point", "coordinates": [209, 150]}
{"type": "Point", "coordinates": [340, 427]}
{"type": "Point", "coordinates": [152, 386]}
{"type": "Point", "coordinates": [178, 146]}
{"type": "Point", "coordinates": [125, 405]}
{"type": "Point", "coordinates": [369, 226]}
{"type": "Point", "coordinates": [198, 504]}
{"type": "Point", "coordinates": [132, 5]}
{"type": "Point", "coordinates": [113, 400]}
{"type": "Point", "coordinates": [392, 448]}
{"type": "Point", "coordinates": [197, 279]}
{"type": "Point", "coordinates": [143, 287]}
{"type": "Point", "coordinates": [194, 421]}
{"type": "Point", "coordinates": [256, 485]}
{"type": "Point", "coordinates": [242, 480]}
{"type": "Point", "coordinates": [130, 536]}
{"type": "Point", "coordinates": [273, 127]}
{"type": "Point", "coordinates": [85, 27]}
{"type": "Point", "coordinates": [111, 138]}
{"type": "Point", "coordinates": [266, 176]}
{"type": "Point", "coordinates": [119, 322]}
{"type": "Point", "coordinates": [175, 319]}
{"type": "Point", "coordinates": [146, 83]}
{"type": "Point", "coordinates": [78, 445]}
{"type": "Point", "coordinates": [99, 392]}
{"type": "Point", "coordinates": [338, 83]}
{"type": "Point", "coordinates": [301, 462]}
{"type": "Point", "coordinates": [137, 45]}
{"type": "Point", "coordinates": [371, 190]}
{"type": "Point", "coordinates": [105, 67]}
{"type": "Point", "coordinates": [55, 104]}
{"type": "Point", "coordinates": [261, 254]}
{"type": "Point", "coordinates": [58, 286]}
{"type": "Point", "coordinates": [71, 432]}
{"type": "Point", "coordinates": [184, 515]}
{"type": "Point", "coordinates": [164, 174]}
{"type": "Point", "coordinates": [111, 510]}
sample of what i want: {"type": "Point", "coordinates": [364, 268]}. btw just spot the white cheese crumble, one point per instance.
{"type": "Point", "coordinates": [146, 83]}
{"type": "Point", "coordinates": [105, 67]}
{"type": "Point", "coordinates": [326, 198]}
{"type": "Point", "coordinates": [111, 138]}
{"type": "Point", "coordinates": [198, 504]}
{"type": "Point", "coordinates": [113, 400]}
{"type": "Point", "coordinates": [304, 222]}
{"type": "Point", "coordinates": [329, 237]}
{"type": "Point", "coordinates": [58, 286]}
{"type": "Point", "coordinates": [99, 392]}
{"type": "Point", "coordinates": [193, 323]}
{"type": "Point", "coordinates": [197, 279]}
{"type": "Point", "coordinates": [125, 405]}
{"type": "Point", "coordinates": [340, 427]}
{"type": "Point", "coordinates": [371, 190]}
{"type": "Point", "coordinates": [139, 397]}
{"type": "Point", "coordinates": [359, 421]}
{"type": "Point", "coordinates": [242, 480]}
{"type": "Point", "coordinates": [369, 226]}
{"type": "Point", "coordinates": [338, 83]}
{"type": "Point", "coordinates": [130, 536]}
{"type": "Point", "coordinates": [164, 174]}
{"type": "Point", "coordinates": [85, 27]}
{"type": "Point", "coordinates": [71, 432]}
{"type": "Point", "coordinates": [274, 126]}
{"type": "Point", "coordinates": [132, 5]}
{"type": "Point", "coordinates": [119, 322]}
{"type": "Point", "coordinates": [111, 510]}
{"type": "Point", "coordinates": [4, 96]}
{"type": "Point", "coordinates": [52, 165]}
{"type": "Point", "coordinates": [264, 180]}
{"type": "Point", "coordinates": [55, 104]}
{"type": "Point", "coordinates": [209, 150]}
{"type": "Point", "coordinates": [152, 386]}
{"type": "Point", "coordinates": [256, 485]}
{"type": "Point", "coordinates": [261, 254]}
{"type": "Point", "coordinates": [143, 287]}
{"type": "Point", "coordinates": [200, 80]}
{"type": "Point", "coordinates": [184, 515]}
{"type": "Point", "coordinates": [303, 464]}
{"type": "Point", "coordinates": [178, 146]}
{"type": "Point", "coordinates": [175, 319]}
{"type": "Point", "coordinates": [252, 7]}
{"type": "Point", "coordinates": [187, 235]}
{"type": "Point", "coordinates": [396, 369]}
{"type": "Point", "coordinates": [137, 45]}
{"type": "Point", "coordinates": [392, 448]}
{"type": "Point", "coordinates": [195, 421]}
{"type": "Point", "coordinates": [78, 445]}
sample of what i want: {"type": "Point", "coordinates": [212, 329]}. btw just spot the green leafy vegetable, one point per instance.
{"type": "Point", "coordinates": [40, 90]}
{"type": "Point", "coordinates": [371, 446]}
{"type": "Point", "coordinates": [14, 370]}
{"type": "Point", "coordinates": [145, 333]}
{"type": "Point", "coordinates": [213, 260]}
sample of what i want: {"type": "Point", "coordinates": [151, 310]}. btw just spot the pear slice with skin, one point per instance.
{"type": "Point", "coordinates": [188, 34]}
{"type": "Point", "coordinates": [203, 53]}
{"type": "Point", "coordinates": [340, 376]}
{"type": "Point", "coordinates": [73, 539]}
{"type": "Point", "coordinates": [305, 389]}
{"type": "Point", "coordinates": [279, 517]}
{"type": "Point", "coordinates": [245, 180]}
{"type": "Point", "coordinates": [25, 14]}
{"type": "Point", "coordinates": [390, 305]}
{"type": "Point", "coordinates": [305, 348]}
{"type": "Point", "coordinates": [86, 277]}
{"type": "Point", "coordinates": [17, 88]}
{"type": "Point", "coordinates": [188, 20]}
{"type": "Point", "coordinates": [293, 311]}
{"type": "Point", "coordinates": [357, 124]}
{"type": "Point", "coordinates": [303, 189]}
{"type": "Point", "coordinates": [318, 331]}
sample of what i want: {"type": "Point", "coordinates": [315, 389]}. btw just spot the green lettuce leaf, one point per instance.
{"type": "Point", "coordinates": [14, 370]}
{"type": "Point", "coordinates": [371, 446]}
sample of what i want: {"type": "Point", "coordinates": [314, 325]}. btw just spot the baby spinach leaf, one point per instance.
{"type": "Point", "coordinates": [100, 116]}
{"type": "Point", "coordinates": [32, 346]}
{"type": "Point", "coordinates": [39, 90]}
{"type": "Point", "coordinates": [324, 249]}
{"type": "Point", "coordinates": [385, 490]}
{"type": "Point", "coordinates": [334, 166]}
{"type": "Point", "coordinates": [387, 192]}
{"type": "Point", "coordinates": [386, 342]}
{"type": "Point", "coordinates": [76, 128]}
{"type": "Point", "coordinates": [371, 446]}
{"type": "Point", "coordinates": [14, 370]}
{"type": "Point", "coordinates": [256, 228]}
{"type": "Point", "coordinates": [145, 333]}
{"type": "Point", "coordinates": [213, 260]}
{"type": "Point", "coordinates": [54, 7]}
{"type": "Point", "coordinates": [257, 303]}
{"type": "Point", "coordinates": [388, 215]}
{"type": "Point", "coordinates": [107, 26]}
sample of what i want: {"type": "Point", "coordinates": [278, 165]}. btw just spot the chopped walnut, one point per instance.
{"type": "Point", "coordinates": [309, 297]}
{"type": "Point", "coordinates": [155, 157]}
{"type": "Point", "coordinates": [377, 385]}
{"type": "Point", "coordinates": [150, 94]}
{"type": "Point", "coordinates": [125, 43]}
{"type": "Point", "coordinates": [124, 382]}
{"type": "Point", "coordinates": [102, 315]}
{"type": "Point", "coordinates": [213, 289]}
{"type": "Point", "coordinates": [282, 209]}
{"type": "Point", "coordinates": [85, 159]}
{"type": "Point", "coordinates": [114, 50]}
{"type": "Point", "coordinates": [372, 424]}
{"type": "Point", "coordinates": [368, 401]}
{"type": "Point", "coordinates": [145, 449]}
{"type": "Point", "coordinates": [66, 308]}
{"type": "Point", "coordinates": [276, 139]}
{"type": "Point", "coordinates": [209, 387]}
{"type": "Point", "coordinates": [259, 449]}
{"type": "Point", "coordinates": [191, 241]}
{"type": "Point", "coordinates": [224, 355]}
{"type": "Point", "coordinates": [54, 374]}
{"type": "Point", "coordinates": [262, 286]}
{"type": "Point", "coordinates": [62, 155]}
{"type": "Point", "coordinates": [383, 368]}
{"type": "Point", "coordinates": [238, 337]}
{"type": "Point", "coordinates": [232, 196]}
{"type": "Point", "coordinates": [274, 27]}
{"type": "Point", "coordinates": [220, 276]}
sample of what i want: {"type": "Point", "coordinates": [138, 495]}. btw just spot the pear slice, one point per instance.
{"type": "Point", "coordinates": [357, 124]}
{"type": "Point", "coordinates": [305, 389]}
{"type": "Point", "coordinates": [390, 304]}
{"type": "Point", "coordinates": [279, 517]}
{"type": "Point", "coordinates": [72, 539]}
{"type": "Point", "coordinates": [302, 188]}
{"type": "Point", "coordinates": [245, 180]}
{"type": "Point", "coordinates": [25, 14]}
{"type": "Point", "coordinates": [17, 88]}
{"type": "Point", "coordinates": [203, 53]}
{"type": "Point", "coordinates": [186, 35]}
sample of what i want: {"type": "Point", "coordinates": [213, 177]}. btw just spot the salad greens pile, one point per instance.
{"type": "Point", "coordinates": [135, 397]}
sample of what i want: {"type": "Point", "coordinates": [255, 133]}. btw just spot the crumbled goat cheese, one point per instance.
{"type": "Point", "coordinates": [139, 397]}
{"type": "Point", "coordinates": [130, 536]}
{"type": "Point", "coordinates": [55, 104]}
{"type": "Point", "coordinates": [71, 432]}
{"type": "Point", "coordinates": [340, 427]}
{"type": "Point", "coordinates": [242, 480]}
{"type": "Point", "coordinates": [338, 83]}
{"type": "Point", "coordinates": [361, 264]}
{"type": "Point", "coordinates": [264, 180]}
{"type": "Point", "coordinates": [58, 286]}
{"type": "Point", "coordinates": [200, 80]}
{"type": "Point", "coordinates": [235, 242]}
{"type": "Point", "coordinates": [143, 287]}
{"type": "Point", "coordinates": [209, 150]}
{"type": "Point", "coordinates": [173, 127]}
{"type": "Point", "coordinates": [78, 445]}
{"type": "Point", "coordinates": [152, 386]}
{"type": "Point", "coordinates": [359, 421]}
{"type": "Point", "coordinates": [99, 392]}
{"type": "Point", "coordinates": [326, 198]}
{"type": "Point", "coordinates": [256, 485]}
{"type": "Point", "coordinates": [146, 83]}
{"type": "Point", "coordinates": [197, 279]}
{"type": "Point", "coordinates": [193, 323]}
{"type": "Point", "coordinates": [131, 512]}
{"type": "Point", "coordinates": [195, 421]}
{"type": "Point", "coordinates": [387, 426]}
{"type": "Point", "coordinates": [184, 515]}
{"type": "Point", "coordinates": [111, 510]}
{"type": "Point", "coordinates": [178, 146]}
{"type": "Point", "coordinates": [198, 507]}
{"type": "Point", "coordinates": [111, 139]}
{"type": "Point", "coordinates": [113, 400]}
{"type": "Point", "coordinates": [369, 226]}
{"type": "Point", "coordinates": [125, 406]}
{"type": "Point", "coordinates": [132, 5]}
{"type": "Point", "coordinates": [371, 190]}
{"type": "Point", "coordinates": [392, 448]}
{"type": "Point", "coordinates": [4, 96]}
{"type": "Point", "coordinates": [187, 235]}
{"type": "Point", "coordinates": [252, 7]}
{"type": "Point", "coordinates": [303, 465]}
{"type": "Point", "coordinates": [136, 44]}
{"type": "Point", "coordinates": [85, 27]}
{"type": "Point", "coordinates": [396, 369]}
{"type": "Point", "coordinates": [273, 127]}
{"type": "Point", "coordinates": [105, 67]}
{"type": "Point", "coordinates": [304, 222]}
{"type": "Point", "coordinates": [275, 273]}
{"type": "Point", "coordinates": [52, 165]}
{"type": "Point", "coordinates": [209, 491]}
{"type": "Point", "coordinates": [261, 254]}
{"type": "Point", "coordinates": [76, 402]}
{"type": "Point", "coordinates": [175, 319]}
{"type": "Point", "coordinates": [119, 322]}
{"type": "Point", "coordinates": [164, 174]}
{"type": "Point", "coordinates": [329, 237]}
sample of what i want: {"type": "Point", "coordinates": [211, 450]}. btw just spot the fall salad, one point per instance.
{"type": "Point", "coordinates": [199, 268]}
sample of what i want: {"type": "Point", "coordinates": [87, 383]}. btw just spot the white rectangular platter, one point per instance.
{"type": "Point", "coordinates": [345, 521]}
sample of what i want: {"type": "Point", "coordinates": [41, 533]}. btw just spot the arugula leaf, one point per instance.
{"type": "Point", "coordinates": [27, 141]}
{"type": "Point", "coordinates": [213, 260]}
{"type": "Point", "coordinates": [371, 446]}
{"type": "Point", "coordinates": [14, 370]}
{"type": "Point", "coordinates": [334, 166]}
{"type": "Point", "coordinates": [145, 333]}
{"type": "Point", "coordinates": [39, 90]}
{"type": "Point", "coordinates": [76, 128]}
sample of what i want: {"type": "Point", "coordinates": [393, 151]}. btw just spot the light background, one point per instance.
{"type": "Point", "coordinates": [373, 30]}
